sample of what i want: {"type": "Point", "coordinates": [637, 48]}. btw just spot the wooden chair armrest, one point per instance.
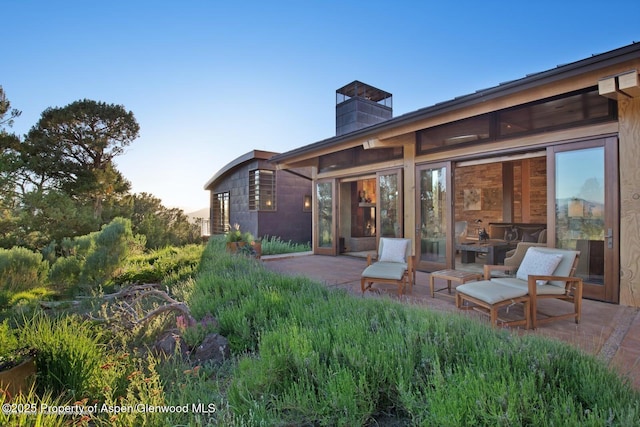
{"type": "Point", "coordinates": [533, 278]}
{"type": "Point", "coordinates": [488, 268]}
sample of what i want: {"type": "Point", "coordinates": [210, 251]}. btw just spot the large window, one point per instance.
{"type": "Point", "coordinates": [357, 156]}
{"type": "Point", "coordinates": [262, 190]}
{"type": "Point", "coordinates": [573, 109]}
{"type": "Point", "coordinates": [220, 205]}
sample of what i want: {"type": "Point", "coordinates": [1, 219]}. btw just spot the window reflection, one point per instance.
{"type": "Point", "coordinates": [580, 209]}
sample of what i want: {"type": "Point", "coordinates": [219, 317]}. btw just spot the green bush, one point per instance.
{"type": "Point", "coordinates": [21, 269]}
{"type": "Point", "coordinates": [8, 343]}
{"type": "Point", "coordinates": [26, 418]}
{"type": "Point", "coordinates": [312, 356]}
{"type": "Point", "coordinates": [167, 266]}
{"type": "Point", "coordinates": [94, 258]}
{"type": "Point", "coordinates": [272, 245]}
{"type": "Point", "coordinates": [65, 271]}
{"type": "Point", "coordinates": [68, 354]}
{"type": "Point", "coordinates": [111, 245]}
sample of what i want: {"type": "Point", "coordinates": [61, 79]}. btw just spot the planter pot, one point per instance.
{"type": "Point", "coordinates": [233, 247]}
{"type": "Point", "coordinates": [256, 247]}
{"type": "Point", "coordinates": [19, 379]}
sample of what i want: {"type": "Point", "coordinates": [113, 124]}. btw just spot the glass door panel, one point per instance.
{"type": "Point", "coordinates": [325, 221]}
{"type": "Point", "coordinates": [434, 214]}
{"type": "Point", "coordinates": [584, 214]}
{"type": "Point", "coordinates": [390, 204]}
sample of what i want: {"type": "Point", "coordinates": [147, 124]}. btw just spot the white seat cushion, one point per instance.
{"type": "Point", "coordinates": [521, 284]}
{"type": "Point", "coordinates": [490, 291]}
{"type": "Point", "coordinates": [385, 270]}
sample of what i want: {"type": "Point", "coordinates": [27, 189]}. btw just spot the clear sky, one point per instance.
{"type": "Point", "coordinates": [210, 80]}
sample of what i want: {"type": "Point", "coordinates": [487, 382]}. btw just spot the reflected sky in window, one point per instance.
{"type": "Point", "coordinates": [580, 174]}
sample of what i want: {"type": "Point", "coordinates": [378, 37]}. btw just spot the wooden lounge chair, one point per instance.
{"type": "Point", "coordinates": [394, 265]}
{"type": "Point", "coordinates": [545, 273]}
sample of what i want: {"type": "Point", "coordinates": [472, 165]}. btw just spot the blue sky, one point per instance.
{"type": "Point", "coordinates": [209, 81]}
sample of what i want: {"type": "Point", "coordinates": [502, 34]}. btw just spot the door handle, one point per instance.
{"type": "Point", "coordinates": [609, 238]}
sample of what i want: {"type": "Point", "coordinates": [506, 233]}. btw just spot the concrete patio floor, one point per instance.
{"type": "Point", "coordinates": [611, 332]}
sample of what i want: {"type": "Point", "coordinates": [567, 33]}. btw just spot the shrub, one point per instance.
{"type": "Point", "coordinates": [68, 354]}
{"type": "Point", "coordinates": [272, 245]}
{"type": "Point", "coordinates": [33, 401]}
{"type": "Point", "coordinates": [110, 250]}
{"type": "Point", "coordinates": [95, 257]}
{"type": "Point", "coordinates": [65, 270]}
{"type": "Point", "coordinates": [8, 343]}
{"type": "Point", "coordinates": [312, 356]}
{"type": "Point", "coordinates": [21, 269]}
{"type": "Point", "coordinates": [167, 266]}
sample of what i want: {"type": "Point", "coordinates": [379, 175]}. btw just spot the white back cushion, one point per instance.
{"type": "Point", "coordinates": [538, 262]}
{"type": "Point", "coordinates": [393, 250]}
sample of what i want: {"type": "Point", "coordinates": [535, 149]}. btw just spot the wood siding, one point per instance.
{"type": "Point", "coordinates": [629, 146]}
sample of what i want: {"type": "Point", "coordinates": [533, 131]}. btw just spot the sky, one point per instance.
{"type": "Point", "coordinates": [209, 81]}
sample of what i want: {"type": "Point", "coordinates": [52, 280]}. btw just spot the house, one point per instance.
{"type": "Point", "coordinates": [552, 157]}
{"type": "Point", "coordinates": [250, 192]}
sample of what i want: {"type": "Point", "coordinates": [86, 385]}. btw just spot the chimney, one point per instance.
{"type": "Point", "coordinates": [359, 105]}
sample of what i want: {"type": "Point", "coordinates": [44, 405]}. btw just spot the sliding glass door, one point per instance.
{"type": "Point", "coordinates": [325, 219]}
{"type": "Point", "coordinates": [390, 203]}
{"type": "Point", "coordinates": [433, 231]}
{"type": "Point", "coordinates": [584, 202]}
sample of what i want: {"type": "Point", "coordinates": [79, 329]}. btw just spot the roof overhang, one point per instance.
{"type": "Point", "coordinates": [250, 156]}
{"type": "Point", "coordinates": [369, 136]}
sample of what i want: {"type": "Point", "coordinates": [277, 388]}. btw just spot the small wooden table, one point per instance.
{"type": "Point", "coordinates": [460, 277]}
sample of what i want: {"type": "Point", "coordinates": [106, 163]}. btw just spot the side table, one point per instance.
{"type": "Point", "coordinates": [460, 277]}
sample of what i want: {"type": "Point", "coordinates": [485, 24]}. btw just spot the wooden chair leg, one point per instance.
{"type": "Point", "coordinates": [527, 314]}
{"type": "Point", "coordinates": [533, 312]}
{"type": "Point", "coordinates": [494, 316]}
{"type": "Point", "coordinates": [577, 297]}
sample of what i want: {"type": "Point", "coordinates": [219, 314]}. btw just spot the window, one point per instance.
{"type": "Point", "coordinates": [262, 190]}
{"type": "Point", "coordinates": [220, 206]}
{"type": "Point", "coordinates": [460, 132]}
{"type": "Point", "coordinates": [555, 113]}
{"type": "Point", "coordinates": [573, 109]}
{"type": "Point", "coordinates": [358, 156]}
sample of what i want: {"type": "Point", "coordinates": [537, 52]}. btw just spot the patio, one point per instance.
{"type": "Point", "coordinates": [612, 332]}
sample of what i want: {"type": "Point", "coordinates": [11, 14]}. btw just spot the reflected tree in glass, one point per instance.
{"type": "Point", "coordinates": [433, 210]}
{"type": "Point", "coordinates": [389, 221]}
{"type": "Point", "coordinates": [325, 216]}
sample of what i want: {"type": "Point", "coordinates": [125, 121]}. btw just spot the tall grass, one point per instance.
{"type": "Point", "coordinates": [272, 245]}
{"type": "Point", "coordinates": [308, 355]}
{"type": "Point", "coordinates": [167, 266]}
{"type": "Point", "coordinates": [68, 354]}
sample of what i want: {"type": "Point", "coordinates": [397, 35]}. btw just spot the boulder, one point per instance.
{"type": "Point", "coordinates": [214, 348]}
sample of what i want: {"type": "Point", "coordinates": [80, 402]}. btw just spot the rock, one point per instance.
{"type": "Point", "coordinates": [166, 345]}
{"type": "Point", "coordinates": [214, 348]}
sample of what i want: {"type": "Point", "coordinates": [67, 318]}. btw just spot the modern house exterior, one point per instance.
{"type": "Point", "coordinates": [552, 157]}
{"type": "Point", "coordinates": [250, 192]}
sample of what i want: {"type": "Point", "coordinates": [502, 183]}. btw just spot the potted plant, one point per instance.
{"type": "Point", "coordinates": [237, 241]}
